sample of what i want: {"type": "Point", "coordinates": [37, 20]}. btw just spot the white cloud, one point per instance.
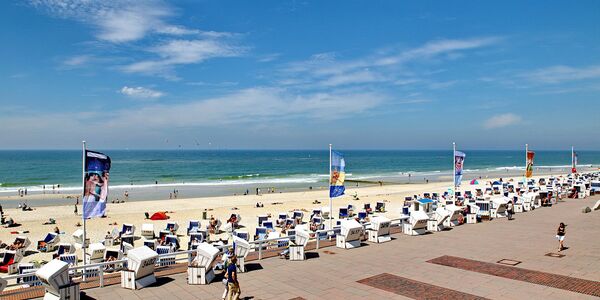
{"type": "Point", "coordinates": [383, 66]}
{"type": "Point", "coordinates": [77, 61]}
{"type": "Point", "coordinates": [502, 120]}
{"type": "Point", "coordinates": [559, 74]}
{"type": "Point", "coordinates": [178, 52]}
{"type": "Point", "coordinates": [364, 76]}
{"type": "Point", "coordinates": [141, 92]}
{"type": "Point", "coordinates": [124, 21]}
{"type": "Point", "coordinates": [254, 105]}
{"type": "Point", "coordinates": [116, 21]}
{"type": "Point", "coordinates": [437, 47]}
{"type": "Point", "coordinates": [240, 110]}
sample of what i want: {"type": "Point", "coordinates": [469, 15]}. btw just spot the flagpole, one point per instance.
{"type": "Point", "coordinates": [83, 245]}
{"type": "Point", "coordinates": [330, 200]}
{"type": "Point", "coordinates": [572, 158]}
{"type": "Point", "coordinates": [454, 170]}
{"type": "Point", "coordinates": [525, 178]}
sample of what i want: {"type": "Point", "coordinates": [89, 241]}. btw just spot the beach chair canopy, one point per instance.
{"type": "Point", "coordinates": [50, 236]}
{"type": "Point", "coordinates": [268, 224]}
{"type": "Point", "coordinates": [150, 244]}
{"type": "Point", "coordinates": [425, 201]}
{"type": "Point", "coordinates": [242, 234]}
{"type": "Point", "coordinates": [206, 254]}
{"type": "Point", "coordinates": [193, 225]}
{"type": "Point", "coordinates": [65, 248]}
{"type": "Point", "coordinates": [159, 216]}
{"type": "Point", "coordinates": [263, 218]}
{"type": "Point", "coordinates": [362, 215]}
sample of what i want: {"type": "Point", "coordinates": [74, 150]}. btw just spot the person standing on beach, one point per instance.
{"type": "Point", "coordinates": [233, 285]}
{"type": "Point", "coordinates": [560, 236]}
{"type": "Point", "coordinates": [509, 210]}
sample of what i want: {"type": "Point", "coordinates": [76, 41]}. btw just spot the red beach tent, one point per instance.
{"type": "Point", "coordinates": [161, 215]}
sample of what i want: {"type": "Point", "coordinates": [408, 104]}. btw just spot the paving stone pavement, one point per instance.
{"type": "Point", "coordinates": [335, 273]}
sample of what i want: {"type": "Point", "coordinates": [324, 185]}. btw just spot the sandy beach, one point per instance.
{"type": "Point", "coordinates": [181, 210]}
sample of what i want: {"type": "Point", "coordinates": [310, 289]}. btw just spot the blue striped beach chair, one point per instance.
{"type": "Point", "coordinates": [167, 260]}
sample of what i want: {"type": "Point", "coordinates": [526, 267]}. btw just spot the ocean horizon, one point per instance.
{"type": "Point", "coordinates": [34, 169]}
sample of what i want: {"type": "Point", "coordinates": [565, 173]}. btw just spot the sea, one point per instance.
{"type": "Point", "coordinates": [154, 174]}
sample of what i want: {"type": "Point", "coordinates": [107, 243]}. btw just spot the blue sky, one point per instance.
{"type": "Point", "coordinates": [299, 74]}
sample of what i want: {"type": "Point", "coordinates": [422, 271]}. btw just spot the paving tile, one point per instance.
{"type": "Point", "coordinates": [414, 289]}
{"type": "Point", "coordinates": [578, 285]}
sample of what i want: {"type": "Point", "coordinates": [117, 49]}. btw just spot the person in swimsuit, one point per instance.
{"type": "Point", "coordinates": [560, 236]}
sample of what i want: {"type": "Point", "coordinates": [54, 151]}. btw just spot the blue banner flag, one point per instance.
{"type": "Point", "coordinates": [95, 187]}
{"type": "Point", "coordinates": [459, 159]}
{"type": "Point", "coordinates": [338, 175]}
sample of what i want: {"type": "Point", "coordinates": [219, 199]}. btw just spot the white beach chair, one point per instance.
{"type": "Point", "coordinates": [262, 218]}
{"type": "Point", "coordinates": [31, 280]}
{"type": "Point", "coordinates": [172, 240]}
{"type": "Point", "coordinates": [196, 238]}
{"type": "Point", "coordinates": [193, 226]}
{"type": "Point", "coordinates": [379, 230]}
{"type": "Point", "coordinates": [243, 234]}
{"type": "Point", "coordinates": [96, 253]}
{"type": "Point", "coordinates": [127, 229]}
{"type": "Point", "coordinates": [351, 233]}
{"type": "Point", "coordinates": [25, 243]}
{"type": "Point", "coordinates": [164, 258]}
{"type": "Point", "coordinates": [454, 215]}
{"type": "Point", "coordinates": [10, 262]}
{"type": "Point", "coordinates": [150, 244]}
{"type": "Point", "coordinates": [65, 248]}
{"type": "Point", "coordinates": [172, 227]}
{"type": "Point", "coordinates": [417, 223]}
{"type": "Point", "coordinates": [111, 255]}
{"type": "Point", "coordinates": [281, 217]}
{"type": "Point", "coordinates": [200, 270]}
{"type": "Point", "coordinates": [78, 238]}
{"type": "Point", "coordinates": [242, 248]}
{"type": "Point", "coordinates": [70, 259]}
{"type": "Point", "coordinates": [148, 230]}
{"type": "Point", "coordinates": [113, 237]}
{"type": "Point", "coordinates": [499, 207]}
{"type": "Point", "coordinates": [49, 243]}
{"type": "Point", "coordinates": [437, 223]}
{"type": "Point", "coordinates": [298, 215]}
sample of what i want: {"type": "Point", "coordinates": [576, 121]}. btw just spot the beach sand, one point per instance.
{"type": "Point", "coordinates": [182, 210]}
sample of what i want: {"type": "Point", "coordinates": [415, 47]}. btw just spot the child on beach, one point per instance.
{"type": "Point", "coordinates": [560, 236]}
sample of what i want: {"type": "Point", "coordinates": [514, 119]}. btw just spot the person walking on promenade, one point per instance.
{"type": "Point", "coordinates": [233, 284]}
{"type": "Point", "coordinates": [560, 236]}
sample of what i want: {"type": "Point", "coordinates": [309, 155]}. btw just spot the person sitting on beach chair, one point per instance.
{"type": "Point", "coordinates": [18, 244]}
{"type": "Point", "coordinates": [222, 265]}
{"type": "Point", "coordinates": [212, 225]}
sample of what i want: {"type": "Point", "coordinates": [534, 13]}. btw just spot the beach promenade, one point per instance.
{"type": "Point", "coordinates": [465, 262]}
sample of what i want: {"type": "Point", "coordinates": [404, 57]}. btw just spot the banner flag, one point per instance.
{"type": "Point", "coordinates": [338, 175]}
{"type": "Point", "coordinates": [95, 188]}
{"type": "Point", "coordinates": [459, 159]}
{"type": "Point", "coordinates": [574, 162]}
{"type": "Point", "coordinates": [529, 167]}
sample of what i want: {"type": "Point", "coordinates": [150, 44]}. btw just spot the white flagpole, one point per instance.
{"type": "Point", "coordinates": [453, 168]}
{"type": "Point", "coordinates": [525, 178]}
{"type": "Point", "coordinates": [330, 200]}
{"type": "Point", "coordinates": [83, 245]}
